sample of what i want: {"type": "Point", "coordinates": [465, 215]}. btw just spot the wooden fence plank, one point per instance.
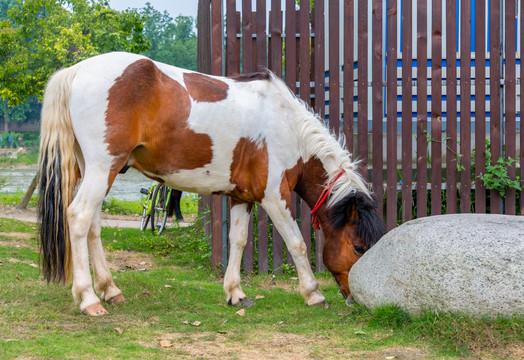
{"type": "Point", "coordinates": [275, 29]}
{"type": "Point", "coordinates": [465, 106]}
{"type": "Point", "coordinates": [436, 108]}
{"type": "Point", "coordinates": [407, 167]}
{"type": "Point", "coordinates": [452, 158]}
{"type": "Point", "coordinates": [377, 103]}
{"type": "Point", "coordinates": [291, 46]}
{"type": "Point", "coordinates": [261, 34]}
{"type": "Point", "coordinates": [349, 47]}
{"type": "Point", "coordinates": [391, 106]}
{"type": "Point", "coordinates": [362, 117]}
{"type": "Point", "coordinates": [232, 42]}
{"type": "Point", "coordinates": [521, 158]}
{"type": "Point", "coordinates": [495, 94]}
{"type": "Point", "coordinates": [422, 111]}
{"type": "Point", "coordinates": [510, 101]}
{"type": "Point", "coordinates": [247, 32]}
{"type": "Point", "coordinates": [334, 67]}
{"type": "Point", "coordinates": [480, 105]}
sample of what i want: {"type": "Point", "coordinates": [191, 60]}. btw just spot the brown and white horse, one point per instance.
{"type": "Point", "coordinates": [247, 137]}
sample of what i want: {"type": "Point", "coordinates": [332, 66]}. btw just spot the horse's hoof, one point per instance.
{"type": "Point", "coordinates": [118, 299]}
{"type": "Point", "coordinates": [350, 300]}
{"type": "Point", "coordinates": [322, 304]}
{"type": "Point", "coordinates": [95, 310]}
{"type": "Point", "coordinates": [244, 303]}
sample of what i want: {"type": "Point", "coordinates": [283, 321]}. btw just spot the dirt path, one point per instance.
{"type": "Point", "coordinates": [114, 221]}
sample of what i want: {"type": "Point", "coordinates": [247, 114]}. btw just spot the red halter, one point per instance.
{"type": "Point", "coordinates": [323, 198]}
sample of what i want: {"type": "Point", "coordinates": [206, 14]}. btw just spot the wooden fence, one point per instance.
{"type": "Point", "coordinates": [416, 87]}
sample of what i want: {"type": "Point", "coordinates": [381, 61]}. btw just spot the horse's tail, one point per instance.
{"type": "Point", "coordinates": [57, 177]}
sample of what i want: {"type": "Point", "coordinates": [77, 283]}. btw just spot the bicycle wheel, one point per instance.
{"type": "Point", "coordinates": [159, 209]}
{"type": "Point", "coordinates": [146, 212]}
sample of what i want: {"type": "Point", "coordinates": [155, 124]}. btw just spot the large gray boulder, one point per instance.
{"type": "Point", "coordinates": [472, 263]}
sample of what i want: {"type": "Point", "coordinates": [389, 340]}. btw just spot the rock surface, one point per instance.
{"type": "Point", "coordinates": [472, 263]}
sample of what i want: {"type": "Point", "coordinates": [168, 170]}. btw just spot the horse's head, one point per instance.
{"type": "Point", "coordinates": [354, 227]}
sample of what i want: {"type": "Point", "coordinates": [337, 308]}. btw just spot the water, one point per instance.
{"type": "Point", "coordinates": [126, 186]}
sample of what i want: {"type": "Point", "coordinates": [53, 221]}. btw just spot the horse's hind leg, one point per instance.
{"type": "Point", "coordinates": [103, 280]}
{"type": "Point", "coordinates": [80, 217]}
{"type": "Point", "coordinates": [238, 240]}
{"type": "Point", "coordinates": [289, 230]}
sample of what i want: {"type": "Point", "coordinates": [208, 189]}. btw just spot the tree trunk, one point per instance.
{"type": "Point", "coordinates": [23, 203]}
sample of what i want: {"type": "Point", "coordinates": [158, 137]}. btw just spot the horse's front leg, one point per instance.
{"type": "Point", "coordinates": [288, 228]}
{"type": "Point", "coordinates": [103, 280]}
{"type": "Point", "coordinates": [238, 239]}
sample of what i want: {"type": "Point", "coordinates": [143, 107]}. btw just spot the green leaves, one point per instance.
{"type": "Point", "coordinates": [41, 36]}
{"type": "Point", "coordinates": [497, 177]}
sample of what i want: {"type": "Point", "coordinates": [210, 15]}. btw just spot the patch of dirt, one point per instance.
{"type": "Point", "coordinates": [123, 260]}
{"type": "Point", "coordinates": [18, 235]}
{"type": "Point", "coordinates": [262, 345]}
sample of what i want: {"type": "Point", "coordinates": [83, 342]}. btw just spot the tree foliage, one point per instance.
{"type": "Point", "coordinates": [172, 41]}
{"type": "Point", "coordinates": [39, 37]}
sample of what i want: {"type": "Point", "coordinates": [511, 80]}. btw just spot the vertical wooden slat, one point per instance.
{"type": "Point", "coordinates": [349, 46]}
{"type": "Point", "coordinates": [275, 29]}
{"type": "Point", "coordinates": [232, 42]}
{"type": "Point", "coordinates": [465, 105]}
{"type": "Point", "coordinates": [451, 121]}
{"type": "Point", "coordinates": [521, 158]}
{"type": "Point", "coordinates": [510, 101]}
{"type": "Point", "coordinates": [291, 46]}
{"type": "Point", "coordinates": [436, 108]}
{"type": "Point", "coordinates": [391, 108]}
{"type": "Point", "coordinates": [319, 248]}
{"type": "Point", "coordinates": [261, 34]}
{"type": "Point", "coordinates": [247, 32]}
{"type": "Point", "coordinates": [263, 253]}
{"type": "Point", "coordinates": [495, 94]}
{"type": "Point", "coordinates": [422, 111]}
{"type": "Point", "coordinates": [480, 105]}
{"type": "Point", "coordinates": [319, 61]}
{"type": "Point", "coordinates": [362, 117]}
{"type": "Point", "coordinates": [204, 36]}
{"type": "Point", "coordinates": [407, 167]}
{"type": "Point", "coordinates": [216, 69]}
{"type": "Point", "coordinates": [377, 103]}
{"type": "Point", "coordinates": [334, 67]}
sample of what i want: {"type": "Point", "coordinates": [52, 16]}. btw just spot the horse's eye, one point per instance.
{"type": "Point", "coordinates": [359, 250]}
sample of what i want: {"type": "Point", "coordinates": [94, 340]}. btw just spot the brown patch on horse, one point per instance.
{"type": "Point", "coordinates": [146, 121]}
{"type": "Point", "coordinates": [204, 88]}
{"type": "Point", "coordinates": [249, 170]}
{"type": "Point", "coordinates": [260, 75]}
{"type": "Point", "coordinates": [288, 183]}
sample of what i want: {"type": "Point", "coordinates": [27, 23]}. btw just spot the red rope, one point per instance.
{"type": "Point", "coordinates": [322, 198]}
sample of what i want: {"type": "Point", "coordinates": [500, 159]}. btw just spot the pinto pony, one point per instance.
{"type": "Point", "coordinates": [247, 137]}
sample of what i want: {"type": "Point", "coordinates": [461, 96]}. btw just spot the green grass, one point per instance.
{"type": "Point", "coordinates": [112, 206]}
{"type": "Point", "coordinates": [13, 198]}
{"type": "Point", "coordinates": [31, 158]}
{"type": "Point", "coordinates": [40, 321]}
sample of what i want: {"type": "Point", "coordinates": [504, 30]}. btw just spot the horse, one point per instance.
{"type": "Point", "coordinates": [245, 136]}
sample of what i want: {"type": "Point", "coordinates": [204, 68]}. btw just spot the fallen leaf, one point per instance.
{"type": "Point", "coordinates": [168, 286]}
{"type": "Point", "coordinates": [280, 322]}
{"type": "Point", "coordinates": [360, 332]}
{"type": "Point", "coordinates": [146, 294]}
{"type": "Point", "coordinates": [196, 323]}
{"type": "Point", "coordinates": [33, 265]}
{"type": "Point", "coordinates": [142, 263]}
{"type": "Point", "coordinates": [390, 357]}
{"type": "Point", "coordinates": [293, 278]}
{"type": "Point", "coordinates": [185, 322]}
{"type": "Point", "coordinates": [142, 269]}
{"type": "Point", "coordinates": [166, 344]}
{"type": "Point", "coordinates": [241, 312]}
{"type": "Point", "coordinates": [120, 331]}
{"type": "Point", "coordinates": [18, 277]}
{"type": "Point", "coordinates": [258, 297]}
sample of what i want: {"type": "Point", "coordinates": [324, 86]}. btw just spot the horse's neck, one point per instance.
{"type": "Point", "coordinates": [311, 184]}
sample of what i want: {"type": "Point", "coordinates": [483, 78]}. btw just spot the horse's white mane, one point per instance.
{"type": "Point", "coordinates": [319, 142]}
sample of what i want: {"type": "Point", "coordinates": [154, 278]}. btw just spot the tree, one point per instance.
{"type": "Point", "coordinates": [172, 41]}
{"type": "Point", "coordinates": [42, 36]}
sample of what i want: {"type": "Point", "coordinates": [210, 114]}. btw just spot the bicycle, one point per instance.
{"type": "Point", "coordinates": [161, 202]}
